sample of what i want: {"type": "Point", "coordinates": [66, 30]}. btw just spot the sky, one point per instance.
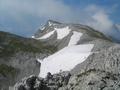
{"type": "Point", "coordinates": [24, 17]}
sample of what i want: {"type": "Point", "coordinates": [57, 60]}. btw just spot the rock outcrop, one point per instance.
{"type": "Point", "coordinates": [18, 58]}
{"type": "Point", "coordinates": [51, 82]}
{"type": "Point", "coordinates": [99, 71]}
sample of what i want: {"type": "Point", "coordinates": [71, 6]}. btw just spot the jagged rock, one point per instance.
{"type": "Point", "coordinates": [89, 35]}
{"type": "Point", "coordinates": [100, 71]}
{"type": "Point", "coordinates": [92, 79]}
{"type": "Point", "coordinates": [95, 80]}
{"type": "Point", "coordinates": [51, 82]}
{"type": "Point", "coordinates": [18, 58]}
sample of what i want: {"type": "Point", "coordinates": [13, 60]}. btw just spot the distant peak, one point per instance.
{"type": "Point", "coordinates": [52, 22]}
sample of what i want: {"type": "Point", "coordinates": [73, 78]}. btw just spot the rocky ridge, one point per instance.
{"type": "Point", "coordinates": [99, 71]}
{"type": "Point", "coordinates": [18, 58]}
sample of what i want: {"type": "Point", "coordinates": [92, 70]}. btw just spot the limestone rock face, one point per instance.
{"type": "Point", "coordinates": [91, 79]}
{"type": "Point", "coordinates": [95, 80]}
{"type": "Point", "coordinates": [99, 71]}
{"type": "Point", "coordinates": [51, 82]}
{"type": "Point", "coordinates": [18, 58]}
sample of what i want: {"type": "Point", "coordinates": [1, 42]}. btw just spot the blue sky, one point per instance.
{"type": "Point", "coordinates": [113, 5]}
{"type": "Point", "coordinates": [23, 17]}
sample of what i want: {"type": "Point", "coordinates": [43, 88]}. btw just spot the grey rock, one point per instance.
{"type": "Point", "coordinates": [18, 58]}
{"type": "Point", "coordinates": [51, 82]}
{"type": "Point", "coordinates": [100, 71]}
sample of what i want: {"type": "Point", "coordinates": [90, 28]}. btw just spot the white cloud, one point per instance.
{"type": "Point", "coordinates": [92, 15]}
{"type": "Point", "coordinates": [102, 21]}
{"type": "Point", "coordinates": [99, 19]}
{"type": "Point", "coordinates": [38, 8]}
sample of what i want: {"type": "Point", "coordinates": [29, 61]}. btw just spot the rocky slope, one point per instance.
{"type": "Point", "coordinates": [78, 41]}
{"type": "Point", "coordinates": [52, 31]}
{"type": "Point", "coordinates": [18, 58]}
{"type": "Point", "coordinates": [87, 60]}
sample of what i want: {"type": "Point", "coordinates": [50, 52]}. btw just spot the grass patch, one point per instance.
{"type": "Point", "coordinates": [7, 70]}
{"type": "Point", "coordinates": [11, 44]}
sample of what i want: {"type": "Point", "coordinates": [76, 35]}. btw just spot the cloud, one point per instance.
{"type": "Point", "coordinates": [102, 21]}
{"type": "Point", "coordinates": [38, 8]}
{"type": "Point", "coordinates": [99, 19]}
{"type": "Point", "coordinates": [27, 12]}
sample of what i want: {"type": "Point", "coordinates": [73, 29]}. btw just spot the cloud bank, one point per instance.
{"type": "Point", "coordinates": [99, 19]}
{"type": "Point", "coordinates": [27, 13]}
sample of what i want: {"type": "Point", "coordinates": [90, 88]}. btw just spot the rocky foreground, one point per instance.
{"type": "Point", "coordinates": [51, 82]}
{"type": "Point", "coordinates": [90, 80]}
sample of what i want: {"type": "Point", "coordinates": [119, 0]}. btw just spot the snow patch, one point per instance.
{"type": "Point", "coordinates": [33, 36]}
{"type": "Point", "coordinates": [65, 59]}
{"type": "Point", "coordinates": [75, 38]}
{"type": "Point", "coordinates": [46, 35]}
{"type": "Point", "coordinates": [62, 32]}
{"type": "Point", "coordinates": [49, 23]}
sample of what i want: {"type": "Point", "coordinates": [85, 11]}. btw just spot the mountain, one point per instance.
{"type": "Point", "coordinates": [69, 38]}
{"type": "Point", "coordinates": [18, 58]}
{"type": "Point", "coordinates": [60, 34]}
{"type": "Point", "coordinates": [79, 58]}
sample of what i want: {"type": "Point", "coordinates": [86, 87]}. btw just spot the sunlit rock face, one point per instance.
{"type": "Point", "coordinates": [77, 57]}
{"type": "Point", "coordinates": [18, 58]}
{"type": "Point", "coordinates": [75, 44]}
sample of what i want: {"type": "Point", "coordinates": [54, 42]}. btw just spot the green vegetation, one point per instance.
{"type": "Point", "coordinates": [87, 72]}
{"type": "Point", "coordinates": [94, 33]}
{"type": "Point", "coordinates": [7, 70]}
{"type": "Point", "coordinates": [98, 34]}
{"type": "Point", "coordinates": [11, 44]}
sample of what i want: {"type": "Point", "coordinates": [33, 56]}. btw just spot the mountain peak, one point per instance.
{"type": "Point", "coordinates": [63, 34]}
{"type": "Point", "coordinates": [76, 40]}
{"type": "Point", "coordinates": [84, 52]}
{"type": "Point", "coordinates": [52, 22]}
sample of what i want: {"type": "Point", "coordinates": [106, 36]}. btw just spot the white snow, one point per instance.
{"type": "Point", "coordinates": [65, 59]}
{"type": "Point", "coordinates": [46, 35]}
{"type": "Point", "coordinates": [49, 23]}
{"type": "Point", "coordinates": [62, 32]}
{"type": "Point", "coordinates": [33, 36]}
{"type": "Point", "coordinates": [75, 38]}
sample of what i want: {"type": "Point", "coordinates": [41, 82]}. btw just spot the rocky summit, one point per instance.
{"type": "Point", "coordinates": [60, 56]}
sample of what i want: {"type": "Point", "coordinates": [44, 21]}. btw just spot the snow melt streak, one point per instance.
{"type": "Point", "coordinates": [62, 32]}
{"type": "Point", "coordinates": [47, 35]}
{"type": "Point", "coordinates": [75, 38]}
{"type": "Point", "coordinates": [65, 59]}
